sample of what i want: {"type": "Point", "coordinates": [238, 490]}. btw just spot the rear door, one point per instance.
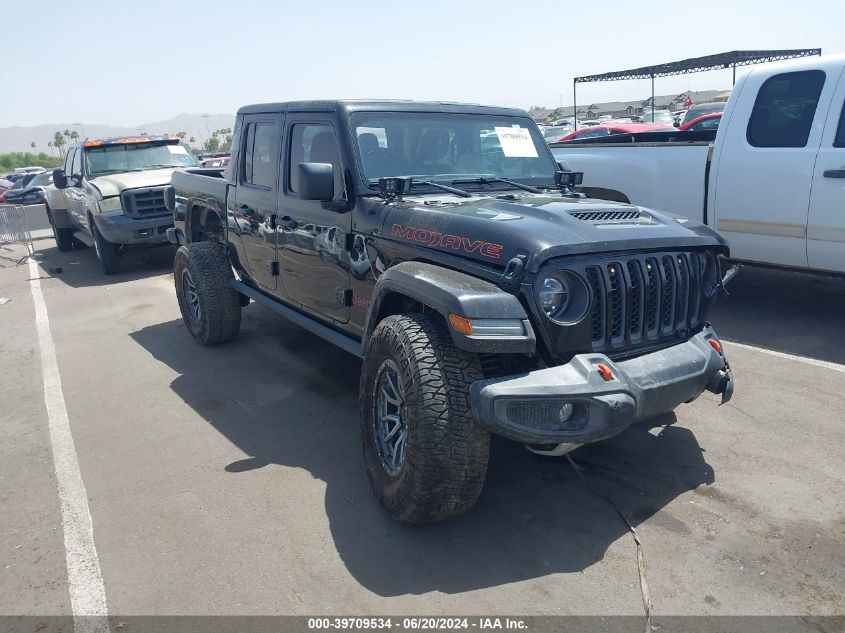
{"type": "Point", "coordinates": [251, 211]}
{"type": "Point", "coordinates": [826, 220]}
{"type": "Point", "coordinates": [312, 250]}
{"type": "Point", "coordinates": [763, 177]}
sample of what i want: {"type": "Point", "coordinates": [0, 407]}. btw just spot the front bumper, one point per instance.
{"type": "Point", "coordinates": [526, 408]}
{"type": "Point", "coordinates": [121, 229]}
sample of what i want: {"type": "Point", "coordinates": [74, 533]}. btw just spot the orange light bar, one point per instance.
{"type": "Point", "coordinates": [461, 324]}
{"type": "Point", "coordinates": [92, 143]}
{"type": "Point", "coordinates": [604, 371]}
{"type": "Point", "coordinates": [135, 139]}
{"type": "Point", "coordinates": [715, 345]}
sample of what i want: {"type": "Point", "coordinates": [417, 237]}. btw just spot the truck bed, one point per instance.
{"type": "Point", "coordinates": [667, 175]}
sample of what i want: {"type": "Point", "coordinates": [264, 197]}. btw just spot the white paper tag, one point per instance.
{"type": "Point", "coordinates": [177, 149]}
{"type": "Point", "coordinates": [516, 142]}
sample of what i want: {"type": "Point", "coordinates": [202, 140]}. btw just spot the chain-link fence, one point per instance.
{"type": "Point", "coordinates": [14, 228]}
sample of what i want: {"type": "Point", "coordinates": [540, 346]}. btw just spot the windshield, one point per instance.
{"type": "Point", "coordinates": [450, 147]}
{"type": "Point", "coordinates": [113, 159]}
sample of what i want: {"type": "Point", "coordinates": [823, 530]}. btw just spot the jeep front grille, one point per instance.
{"type": "Point", "coordinates": [142, 203]}
{"type": "Point", "coordinates": [641, 299]}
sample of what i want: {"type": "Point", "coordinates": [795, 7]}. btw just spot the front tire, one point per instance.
{"type": "Point", "coordinates": [64, 239]}
{"type": "Point", "coordinates": [426, 456]}
{"type": "Point", "coordinates": [210, 307]}
{"type": "Point", "coordinates": [107, 253]}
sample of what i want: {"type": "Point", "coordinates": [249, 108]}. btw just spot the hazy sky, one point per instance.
{"type": "Point", "coordinates": [127, 63]}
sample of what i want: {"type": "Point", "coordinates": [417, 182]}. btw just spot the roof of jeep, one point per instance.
{"type": "Point", "coordinates": [380, 105]}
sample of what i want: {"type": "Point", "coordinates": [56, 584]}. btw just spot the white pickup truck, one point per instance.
{"type": "Point", "coordinates": [772, 181]}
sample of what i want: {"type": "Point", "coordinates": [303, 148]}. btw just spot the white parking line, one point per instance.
{"type": "Point", "coordinates": [801, 359]}
{"type": "Point", "coordinates": [85, 581]}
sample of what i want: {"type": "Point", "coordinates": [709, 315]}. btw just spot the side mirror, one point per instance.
{"type": "Point", "coordinates": [59, 179]}
{"type": "Point", "coordinates": [316, 181]}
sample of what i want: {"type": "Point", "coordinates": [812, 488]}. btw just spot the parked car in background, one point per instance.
{"type": "Point", "coordinates": [701, 109]}
{"type": "Point", "coordinates": [657, 116]}
{"type": "Point", "coordinates": [217, 161]}
{"type": "Point", "coordinates": [554, 133]}
{"type": "Point", "coordinates": [31, 193]}
{"type": "Point", "coordinates": [770, 179]}
{"type": "Point", "coordinates": [702, 123]}
{"type": "Point", "coordinates": [110, 194]}
{"type": "Point", "coordinates": [616, 128]}
{"type": "Point", "coordinates": [5, 185]}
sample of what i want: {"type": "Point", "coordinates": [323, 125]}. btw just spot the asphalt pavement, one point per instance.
{"type": "Point", "coordinates": [229, 480]}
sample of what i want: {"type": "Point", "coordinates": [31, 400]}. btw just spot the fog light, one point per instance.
{"type": "Point", "coordinates": [566, 412]}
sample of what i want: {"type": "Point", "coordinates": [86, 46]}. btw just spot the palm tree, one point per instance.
{"type": "Point", "coordinates": [191, 141]}
{"type": "Point", "coordinates": [50, 147]}
{"type": "Point", "coordinates": [74, 135]}
{"type": "Point", "coordinates": [32, 145]}
{"type": "Point", "coordinates": [59, 141]}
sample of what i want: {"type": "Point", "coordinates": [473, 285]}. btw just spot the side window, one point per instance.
{"type": "Point", "coordinates": [314, 143]}
{"type": "Point", "coordinates": [839, 141]}
{"type": "Point", "coordinates": [259, 165]}
{"type": "Point", "coordinates": [76, 166]}
{"type": "Point", "coordinates": [784, 110]}
{"type": "Point", "coordinates": [69, 161]}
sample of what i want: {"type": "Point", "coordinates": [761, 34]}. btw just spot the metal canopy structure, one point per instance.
{"type": "Point", "coordinates": [719, 61]}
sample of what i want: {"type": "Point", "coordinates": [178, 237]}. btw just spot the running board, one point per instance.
{"type": "Point", "coordinates": [83, 237]}
{"type": "Point", "coordinates": [346, 343]}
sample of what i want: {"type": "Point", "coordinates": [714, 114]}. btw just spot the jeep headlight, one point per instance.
{"type": "Point", "coordinates": [110, 205]}
{"type": "Point", "coordinates": [563, 296]}
{"type": "Point", "coordinates": [553, 295]}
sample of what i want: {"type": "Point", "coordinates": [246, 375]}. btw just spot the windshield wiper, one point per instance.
{"type": "Point", "coordinates": [485, 181]}
{"type": "Point", "coordinates": [458, 192]}
{"type": "Point", "coordinates": [412, 180]}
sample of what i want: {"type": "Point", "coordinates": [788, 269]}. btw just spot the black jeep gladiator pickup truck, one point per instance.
{"type": "Point", "coordinates": [443, 245]}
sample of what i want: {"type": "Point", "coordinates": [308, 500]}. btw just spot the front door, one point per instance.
{"type": "Point", "coordinates": [251, 211]}
{"type": "Point", "coordinates": [826, 221]}
{"type": "Point", "coordinates": [763, 175]}
{"type": "Point", "coordinates": [312, 251]}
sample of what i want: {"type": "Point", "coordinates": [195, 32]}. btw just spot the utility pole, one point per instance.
{"type": "Point", "coordinates": [207, 131]}
{"type": "Point", "coordinates": [81, 131]}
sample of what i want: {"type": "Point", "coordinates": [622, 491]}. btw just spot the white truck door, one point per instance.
{"type": "Point", "coordinates": [826, 220]}
{"type": "Point", "coordinates": [762, 179]}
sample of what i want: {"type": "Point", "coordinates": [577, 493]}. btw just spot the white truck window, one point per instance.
{"type": "Point", "coordinates": [839, 141]}
{"type": "Point", "coordinates": [784, 110]}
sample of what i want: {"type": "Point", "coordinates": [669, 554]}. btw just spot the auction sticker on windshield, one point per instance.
{"type": "Point", "coordinates": [177, 149]}
{"type": "Point", "coordinates": [516, 142]}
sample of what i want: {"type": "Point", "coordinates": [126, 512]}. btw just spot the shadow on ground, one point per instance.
{"type": "Point", "coordinates": [534, 518]}
{"type": "Point", "coordinates": [794, 312]}
{"type": "Point", "coordinates": [79, 267]}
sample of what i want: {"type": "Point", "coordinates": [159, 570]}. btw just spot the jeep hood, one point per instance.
{"type": "Point", "coordinates": [114, 184]}
{"type": "Point", "coordinates": [539, 226]}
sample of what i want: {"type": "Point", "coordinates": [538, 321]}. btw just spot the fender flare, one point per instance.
{"type": "Point", "coordinates": [450, 292]}
{"type": "Point", "coordinates": [205, 208]}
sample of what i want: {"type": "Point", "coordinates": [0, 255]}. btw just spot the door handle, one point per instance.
{"type": "Point", "coordinates": [834, 173]}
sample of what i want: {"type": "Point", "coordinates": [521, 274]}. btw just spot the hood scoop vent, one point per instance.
{"type": "Point", "coordinates": [613, 216]}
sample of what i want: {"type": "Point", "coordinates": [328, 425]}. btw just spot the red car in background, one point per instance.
{"type": "Point", "coordinates": [616, 128]}
{"type": "Point", "coordinates": [702, 123]}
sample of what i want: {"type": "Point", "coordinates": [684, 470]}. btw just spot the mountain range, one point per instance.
{"type": "Point", "coordinates": [19, 139]}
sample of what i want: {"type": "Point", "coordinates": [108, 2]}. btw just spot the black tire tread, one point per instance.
{"type": "Point", "coordinates": [108, 254]}
{"type": "Point", "coordinates": [220, 304]}
{"type": "Point", "coordinates": [447, 451]}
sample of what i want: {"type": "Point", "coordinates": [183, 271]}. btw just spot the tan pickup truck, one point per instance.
{"type": "Point", "coordinates": [110, 194]}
